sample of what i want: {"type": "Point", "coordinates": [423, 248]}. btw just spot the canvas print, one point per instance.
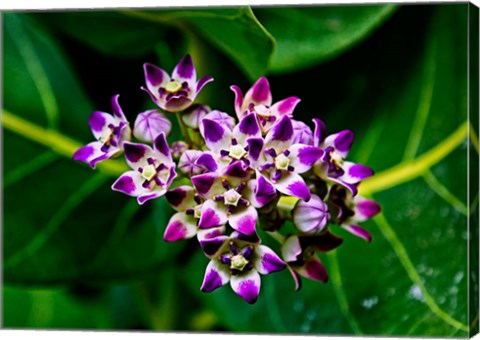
{"type": "Point", "coordinates": [266, 169]}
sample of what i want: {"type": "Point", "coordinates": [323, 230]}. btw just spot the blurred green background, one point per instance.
{"type": "Point", "coordinates": [77, 255]}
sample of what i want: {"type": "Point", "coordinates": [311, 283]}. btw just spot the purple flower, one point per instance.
{"type": "Point", "coordinates": [240, 263]}
{"type": "Point", "coordinates": [150, 124]}
{"type": "Point", "coordinates": [311, 217]}
{"type": "Point", "coordinates": [258, 99]}
{"type": "Point", "coordinates": [332, 166]}
{"type": "Point", "coordinates": [111, 131]}
{"type": "Point", "coordinates": [188, 163]}
{"type": "Point", "coordinates": [153, 170]}
{"type": "Point", "coordinates": [282, 162]}
{"type": "Point", "coordinates": [352, 210]}
{"type": "Point", "coordinates": [228, 198]}
{"type": "Point", "coordinates": [178, 149]}
{"type": "Point", "coordinates": [177, 92]}
{"type": "Point", "coordinates": [299, 253]}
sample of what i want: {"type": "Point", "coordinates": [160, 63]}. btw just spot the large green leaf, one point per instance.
{"type": "Point", "coordinates": [62, 222]}
{"type": "Point", "coordinates": [306, 36]}
{"type": "Point", "coordinates": [411, 126]}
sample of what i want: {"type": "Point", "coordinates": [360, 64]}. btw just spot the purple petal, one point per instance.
{"type": "Point", "coordinates": [181, 198]}
{"type": "Point", "coordinates": [314, 269]}
{"type": "Point", "coordinates": [185, 71]}
{"type": "Point", "coordinates": [283, 130]}
{"type": "Point", "coordinates": [365, 209]}
{"type": "Point", "coordinates": [304, 156]}
{"type": "Point", "coordinates": [213, 215]}
{"type": "Point", "coordinates": [216, 137]}
{"type": "Point", "coordinates": [98, 121]}
{"type": "Point", "coordinates": [244, 220]}
{"type": "Point", "coordinates": [142, 198]}
{"type": "Point", "coordinates": [249, 126]}
{"type": "Point", "coordinates": [130, 183]}
{"type": "Point", "coordinates": [285, 106]}
{"type": "Point", "coordinates": [215, 276]}
{"type": "Point", "coordinates": [255, 147]}
{"type": "Point", "coordinates": [206, 160]}
{"type": "Point", "coordinates": [355, 173]}
{"type": "Point", "coordinates": [202, 82]}
{"type": "Point", "coordinates": [204, 182]}
{"type": "Point", "coordinates": [135, 152]}
{"type": "Point", "coordinates": [259, 93]}
{"type": "Point", "coordinates": [116, 109]}
{"type": "Point", "coordinates": [246, 286]}
{"type": "Point", "coordinates": [92, 153]}
{"type": "Point", "coordinates": [267, 261]}
{"type": "Point", "coordinates": [320, 131]}
{"type": "Point", "coordinates": [311, 216]}
{"type": "Point", "coordinates": [358, 231]}
{"type": "Point", "coordinates": [252, 238]}
{"type": "Point", "coordinates": [212, 244]}
{"type": "Point", "coordinates": [150, 124]}
{"type": "Point", "coordinates": [293, 184]}
{"type": "Point", "coordinates": [341, 141]}
{"type": "Point", "coordinates": [236, 169]}
{"type": "Point", "coordinates": [238, 100]}
{"type": "Point", "coordinates": [179, 227]}
{"type": "Point", "coordinates": [160, 144]}
{"type": "Point", "coordinates": [264, 192]}
{"type": "Point", "coordinates": [154, 77]}
{"type": "Point", "coordinates": [177, 103]}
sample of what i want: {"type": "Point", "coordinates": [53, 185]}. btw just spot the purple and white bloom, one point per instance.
{"type": "Point", "coordinates": [227, 145]}
{"type": "Point", "coordinates": [283, 162]}
{"type": "Point", "coordinates": [150, 124]}
{"type": "Point", "coordinates": [241, 264]}
{"type": "Point", "coordinates": [301, 133]}
{"type": "Point", "coordinates": [221, 118]}
{"type": "Point", "coordinates": [153, 170]}
{"type": "Point", "coordinates": [110, 132]}
{"type": "Point", "coordinates": [299, 251]}
{"type": "Point", "coordinates": [194, 115]}
{"type": "Point", "coordinates": [188, 163]}
{"type": "Point", "coordinates": [352, 210]}
{"type": "Point", "coordinates": [176, 92]}
{"type": "Point", "coordinates": [332, 166]}
{"type": "Point", "coordinates": [228, 198]}
{"type": "Point", "coordinates": [258, 99]}
{"type": "Point", "coordinates": [311, 217]}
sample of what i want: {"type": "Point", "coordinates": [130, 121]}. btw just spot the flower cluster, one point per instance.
{"type": "Point", "coordinates": [232, 180]}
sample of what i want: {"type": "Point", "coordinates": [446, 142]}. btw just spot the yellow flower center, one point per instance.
{"type": "Point", "coordinates": [238, 262]}
{"type": "Point", "coordinates": [149, 172]}
{"type": "Point", "coordinates": [282, 162]}
{"type": "Point", "coordinates": [232, 197]}
{"type": "Point", "coordinates": [173, 86]}
{"type": "Point", "coordinates": [237, 151]}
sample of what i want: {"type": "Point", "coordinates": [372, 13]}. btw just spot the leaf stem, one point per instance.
{"type": "Point", "coordinates": [183, 128]}
{"type": "Point", "coordinates": [276, 236]}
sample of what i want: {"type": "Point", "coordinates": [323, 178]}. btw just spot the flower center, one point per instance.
{"type": "Point", "coordinates": [282, 162]}
{"type": "Point", "coordinates": [149, 172]}
{"type": "Point", "coordinates": [237, 151]}
{"type": "Point", "coordinates": [107, 135]}
{"type": "Point", "coordinates": [231, 197]}
{"type": "Point", "coordinates": [238, 262]}
{"type": "Point", "coordinates": [173, 86]}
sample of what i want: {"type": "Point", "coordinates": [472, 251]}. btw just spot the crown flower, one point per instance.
{"type": "Point", "coordinates": [231, 178]}
{"type": "Point", "coordinates": [176, 92]}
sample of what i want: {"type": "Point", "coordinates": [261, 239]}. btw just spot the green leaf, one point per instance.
{"type": "Point", "coordinates": [62, 221]}
{"type": "Point", "coordinates": [234, 31]}
{"type": "Point", "coordinates": [306, 36]}
{"type": "Point", "coordinates": [108, 32]}
{"type": "Point", "coordinates": [411, 126]}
